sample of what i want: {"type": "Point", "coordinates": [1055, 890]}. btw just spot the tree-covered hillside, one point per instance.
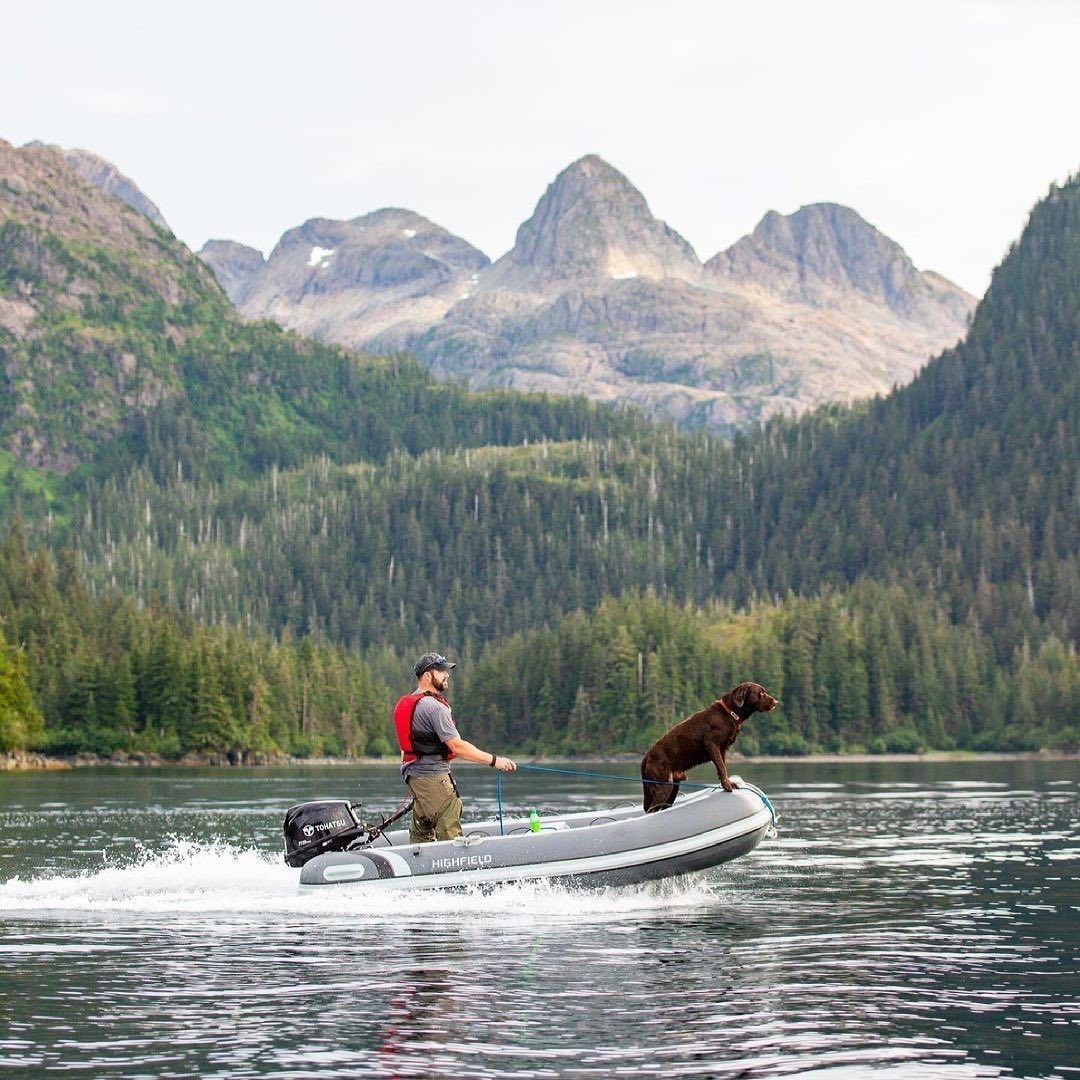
{"type": "Point", "coordinates": [969, 475]}
{"type": "Point", "coordinates": [119, 349]}
{"type": "Point", "coordinates": [309, 493]}
{"type": "Point", "coordinates": [110, 677]}
{"type": "Point", "coordinates": [875, 668]}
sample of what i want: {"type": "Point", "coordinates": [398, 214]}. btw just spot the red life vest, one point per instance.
{"type": "Point", "coordinates": [403, 725]}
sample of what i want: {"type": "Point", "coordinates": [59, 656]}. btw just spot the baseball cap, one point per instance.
{"type": "Point", "coordinates": [431, 660]}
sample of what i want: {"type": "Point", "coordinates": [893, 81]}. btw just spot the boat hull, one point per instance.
{"type": "Point", "coordinates": [616, 847]}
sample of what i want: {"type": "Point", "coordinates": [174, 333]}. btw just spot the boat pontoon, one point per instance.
{"type": "Point", "coordinates": [622, 846]}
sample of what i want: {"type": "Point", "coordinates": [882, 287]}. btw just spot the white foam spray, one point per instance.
{"type": "Point", "coordinates": [219, 877]}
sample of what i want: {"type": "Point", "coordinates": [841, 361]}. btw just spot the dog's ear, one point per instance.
{"type": "Point", "coordinates": [738, 695]}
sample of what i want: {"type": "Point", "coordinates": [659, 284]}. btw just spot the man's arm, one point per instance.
{"type": "Point", "coordinates": [467, 752]}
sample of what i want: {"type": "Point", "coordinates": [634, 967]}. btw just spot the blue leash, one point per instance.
{"type": "Point", "coordinates": [610, 776]}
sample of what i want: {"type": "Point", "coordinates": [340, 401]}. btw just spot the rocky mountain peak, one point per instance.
{"type": "Point", "coordinates": [599, 297]}
{"type": "Point", "coordinates": [79, 270]}
{"type": "Point", "coordinates": [105, 176]}
{"type": "Point", "coordinates": [387, 251]}
{"type": "Point", "coordinates": [825, 250]}
{"type": "Point", "coordinates": [592, 224]}
{"type": "Point", "coordinates": [390, 224]}
{"type": "Point", "coordinates": [41, 192]}
{"type": "Point", "coordinates": [232, 263]}
{"type": "Point", "coordinates": [379, 277]}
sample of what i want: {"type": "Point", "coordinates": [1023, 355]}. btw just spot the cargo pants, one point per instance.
{"type": "Point", "coordinates": [436, 811]}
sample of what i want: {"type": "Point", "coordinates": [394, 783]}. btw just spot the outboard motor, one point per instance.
{"type": "Point", "coordinates": [314, 827]}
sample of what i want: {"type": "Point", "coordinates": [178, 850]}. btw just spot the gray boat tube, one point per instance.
{"type": "Point", "coordinates": [622, 846]}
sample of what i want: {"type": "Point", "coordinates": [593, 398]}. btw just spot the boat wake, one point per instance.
{"type": "Point", "coordinates": [219, 877]}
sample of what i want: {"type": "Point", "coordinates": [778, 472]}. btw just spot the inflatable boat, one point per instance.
{"type": "Point", "coordinates": [593, 848]}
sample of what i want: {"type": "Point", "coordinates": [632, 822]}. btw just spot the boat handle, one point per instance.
{"type": "Point", "coordinates": [469, 839]}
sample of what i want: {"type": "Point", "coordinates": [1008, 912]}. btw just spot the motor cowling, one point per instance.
{"type": "Point", "coordinates": [314, 827]}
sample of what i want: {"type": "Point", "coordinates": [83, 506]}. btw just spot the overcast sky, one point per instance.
{"type": "Point", "coordinates": [940, 122]}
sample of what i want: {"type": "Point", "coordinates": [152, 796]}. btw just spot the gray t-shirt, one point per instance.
{"type": "Point", "coordinates": [431, 718]}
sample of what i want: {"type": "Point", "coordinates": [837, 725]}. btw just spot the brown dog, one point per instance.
{"type": "Point", "coordinates": [705, 736]}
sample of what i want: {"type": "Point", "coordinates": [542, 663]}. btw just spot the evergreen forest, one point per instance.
{"type": "Point", "coordinates": [250, 566]}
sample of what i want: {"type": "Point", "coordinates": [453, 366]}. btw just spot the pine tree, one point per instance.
{"type": "Point", "coordinates": [21, 725]}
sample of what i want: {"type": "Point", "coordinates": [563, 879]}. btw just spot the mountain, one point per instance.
{"type": "Point", "coordinates": [599, 297]}
{"type": "Point", "coordinates": [591, 224]}
{"type": "Point", "coordinates": [824, 253]}
{"type": "Point", "coordinates": [118, 347]}
{"type": "Point", "coordinates": [376, 279]}
{"type": "Point", "coordinates": [86, 283]}
{"type": "Point", "coordinates": [903, 574]}
{"type": "Point", "coordinates": [107, 177]}
{"type": "Point", "coordinates": [233, 264]}
{"type": "Point", "coordinates": [963, 483]}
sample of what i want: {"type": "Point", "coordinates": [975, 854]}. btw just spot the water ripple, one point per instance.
{"type": "Point", "coordinates": [908, 928]}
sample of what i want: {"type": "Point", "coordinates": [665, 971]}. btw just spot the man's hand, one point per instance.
{"type": "Point", "coordinates": [467, 752]}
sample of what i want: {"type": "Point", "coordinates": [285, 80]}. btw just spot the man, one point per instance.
{"type": "Point", "coordinates": [428, 739]}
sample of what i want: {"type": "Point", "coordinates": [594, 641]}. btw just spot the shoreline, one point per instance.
{"type": "Point", "coordinates": [28, 761]}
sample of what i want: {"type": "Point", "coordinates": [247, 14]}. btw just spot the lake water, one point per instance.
{"type": "Point", "coordinates": [909, 920]}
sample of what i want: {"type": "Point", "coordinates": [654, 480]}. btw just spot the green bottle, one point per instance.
{"type": "Point", "coordinates": [534, 821]}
